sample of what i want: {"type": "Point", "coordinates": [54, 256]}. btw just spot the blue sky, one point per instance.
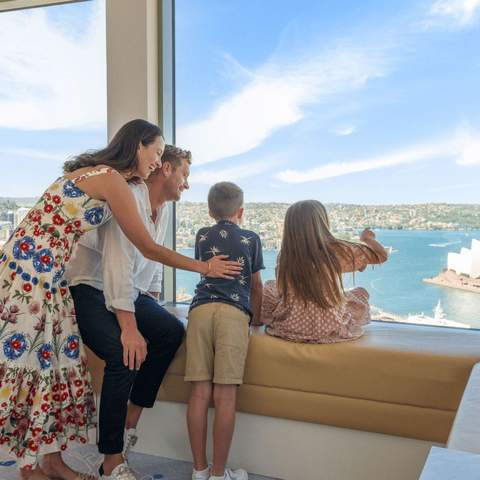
{"type": "Point", "coordinates": [343, 101]}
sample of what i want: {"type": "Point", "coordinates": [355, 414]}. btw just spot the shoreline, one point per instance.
{"type": "Point", "coordinates": [450, 279]}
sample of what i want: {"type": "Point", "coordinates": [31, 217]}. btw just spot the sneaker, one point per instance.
{"type": "Point", "coordinates": [239, 474]}
{"type": "Point", "coordinates": [201, 474]}
{"type": "Point", "coordinates": [120, 472]}
{"type": "Point", "coordinates": [129, 442]}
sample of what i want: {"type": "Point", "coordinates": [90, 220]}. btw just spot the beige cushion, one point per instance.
{"type": "Point", "coordinates": [397, 379]}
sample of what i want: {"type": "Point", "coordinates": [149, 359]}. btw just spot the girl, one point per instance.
{"type": "Point", "coordinates": [46, 397]}
{"type": "Point", "coordinates": [308, 303]}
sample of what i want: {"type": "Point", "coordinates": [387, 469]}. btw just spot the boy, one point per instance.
{"type": "Point", "coordinates": [217, 332]}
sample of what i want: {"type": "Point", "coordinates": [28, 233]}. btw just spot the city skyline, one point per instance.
{"type": "Point", "coordinates": [377, 106]}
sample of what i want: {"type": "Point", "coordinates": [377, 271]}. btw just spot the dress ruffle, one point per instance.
{"type": "Point", "coordinates": [43, 412]}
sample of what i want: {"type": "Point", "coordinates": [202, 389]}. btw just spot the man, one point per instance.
{"type": "Point", "coordinates": [115, 291]}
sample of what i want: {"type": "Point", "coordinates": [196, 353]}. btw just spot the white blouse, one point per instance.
{"type": "Point", "coordinates": [105, 259]}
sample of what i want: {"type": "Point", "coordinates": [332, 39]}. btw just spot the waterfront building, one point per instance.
{"type": "Point", "coordinates": [467, 262]}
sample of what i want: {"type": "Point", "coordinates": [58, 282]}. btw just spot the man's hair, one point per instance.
{"type": "Point", "coordinates": [224, 199]}
{"type": "Point", "coordinates": [174, 156]}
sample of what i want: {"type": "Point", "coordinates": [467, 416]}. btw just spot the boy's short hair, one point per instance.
{"type": "Point", "coordinates": [224, 199]}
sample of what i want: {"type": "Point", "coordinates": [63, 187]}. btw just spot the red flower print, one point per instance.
{"type": "Point", "coordinates": [14, 309]}
{"type": "Point", "coordinates": [32, 446]}
{"type": "Point", "coordinates": [27, 287]}
{"type": "Point", "coordinates": [58, 220]}
{"type": "Point", "coordinates": [48, 295]}
{"type": "Point", "coordinates": [78, 383]}
{"type": "Point", "coordinates": [56, 199]}
{"type": "Point", "coordinates": [48, 208]}
{"type": "Point", "coordinates": [68, 229]}
{"type": "Point", "coordinates": [13, 275]}
{"type": "Point", "coordinates": [77, 223]}
{"type": "Point", "coordinates": [51, 229]}
{"type": "Point", "coordinates": [63, 291]}
{"type": "Point", "coordinates": [45, 407]}
{"type": "Point", "coordinates": [63, 447]}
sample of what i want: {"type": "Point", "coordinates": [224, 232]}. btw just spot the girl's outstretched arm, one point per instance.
{"type": "Point", "coordinates": [354, 257]}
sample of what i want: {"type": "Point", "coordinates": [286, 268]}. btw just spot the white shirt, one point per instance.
{"type": "Point", "coordinates": [105, 259]}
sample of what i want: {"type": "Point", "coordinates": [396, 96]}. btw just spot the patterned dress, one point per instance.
{"type": "Point", "coordinates": [46, 396]}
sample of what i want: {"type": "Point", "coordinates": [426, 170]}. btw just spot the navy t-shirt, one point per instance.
{"type": "Point", "coordinates": [227, 238]}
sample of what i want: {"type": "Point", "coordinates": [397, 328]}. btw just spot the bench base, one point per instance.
{"type": "Point", "coordinates": [288, 449]}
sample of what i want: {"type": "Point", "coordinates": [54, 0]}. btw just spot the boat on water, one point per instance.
{"type": "Point", "coordinates": [438, 319]}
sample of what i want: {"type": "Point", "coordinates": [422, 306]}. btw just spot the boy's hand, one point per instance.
{"type": "Point", "coordinates": [367, 235]}
{"type": "Point", "coordinates": [220, 267]}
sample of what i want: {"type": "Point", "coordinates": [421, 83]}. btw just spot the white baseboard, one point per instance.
{"type": "Point", "coordinates": [291, 450]}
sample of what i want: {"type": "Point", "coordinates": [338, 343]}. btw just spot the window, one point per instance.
{"type": "Point", "coordinates": [53, 98]}
{"type": "Point", "coordinates": [371, 108]}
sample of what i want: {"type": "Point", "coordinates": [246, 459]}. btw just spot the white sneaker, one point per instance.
{"type": "Point", "coordinates": [201, 474]}
{"type": "Point", "coordinates": [239, 474]}
{"type": "Point", "coordinates": [129, 442]}
{"type": "Point", "coordinates": [120, 472]}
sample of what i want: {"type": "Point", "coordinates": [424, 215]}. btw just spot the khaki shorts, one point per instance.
{"type": "Point", "coordinates": [217, 344]}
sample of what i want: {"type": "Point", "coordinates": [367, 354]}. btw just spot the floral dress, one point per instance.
{"type": "Point", "coordinates": [46, 396]}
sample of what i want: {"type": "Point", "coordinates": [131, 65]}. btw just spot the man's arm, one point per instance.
{"type": "Point", "coordinates": [118, 261]}
{"type": "Point", "coordinates": [256, 294]}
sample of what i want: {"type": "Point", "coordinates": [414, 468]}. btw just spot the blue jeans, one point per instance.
{"type": "Point", "coordinates": [100, 331]}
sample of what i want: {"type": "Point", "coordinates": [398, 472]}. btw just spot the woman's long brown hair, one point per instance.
{"type": "Point", "coordinates": [308, 266]}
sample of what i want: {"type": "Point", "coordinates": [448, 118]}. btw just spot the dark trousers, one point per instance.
{"type": "Point", "coordinates": [100, 331]}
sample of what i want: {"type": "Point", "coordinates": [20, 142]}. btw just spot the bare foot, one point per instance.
{"type": "Point", "coordinates": [54, 466]}
{"type": "Point", "coordinates": [35, 474]}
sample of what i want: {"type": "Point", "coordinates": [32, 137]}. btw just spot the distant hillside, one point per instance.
{"type": "Point", "coordinates": [19, 201]}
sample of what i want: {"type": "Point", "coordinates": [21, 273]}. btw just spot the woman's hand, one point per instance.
{"type": "Point", "coordinates": [220, 267]}
{"type": "Point", "coordinates": [134, 348]}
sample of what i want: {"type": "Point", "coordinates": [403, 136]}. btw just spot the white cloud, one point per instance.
{"type": "Point", "coordinates": [456, 13]}
{"type": "Point", "coordinates": [468, 146]}
{"type": "Point", "coordinates": [463, 147]}
{"type": "Point", "coordinates": [33, 154]}
{"type": "Point", "coordinates": [345, 130]}
{"type": "Point", "coordinates": [50, 77]}
{"type": "Point", "coordinates": [276, 97]}
{"type": "Point", "coordinates": [232, 174]}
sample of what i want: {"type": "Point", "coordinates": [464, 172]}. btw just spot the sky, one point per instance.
{"type": "Point", "coordinates": [343, 101]}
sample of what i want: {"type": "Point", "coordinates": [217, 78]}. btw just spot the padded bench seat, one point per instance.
{"type": "Point", "coordinates": [397, 379]}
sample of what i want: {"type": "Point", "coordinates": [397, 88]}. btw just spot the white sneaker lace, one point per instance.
{"type": "Point", "coordinates": [124, 472]}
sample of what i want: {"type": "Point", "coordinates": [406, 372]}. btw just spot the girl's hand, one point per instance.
{"type": "Point", "coordinates": [220, 267]}
{"type": "Point", "coordinates": [367, 235]}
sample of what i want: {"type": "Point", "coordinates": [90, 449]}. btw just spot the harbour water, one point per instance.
{"type": "Point", "coordinates": [397, 286]}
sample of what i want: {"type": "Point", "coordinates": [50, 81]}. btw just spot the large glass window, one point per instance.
{"type": "Point", "coordinates": [369, 107]}
{"type": "Point", "coordinates": [52, 99]}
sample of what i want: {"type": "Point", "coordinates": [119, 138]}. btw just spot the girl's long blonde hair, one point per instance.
{"type": "Point", "coordinates": [308, 266]}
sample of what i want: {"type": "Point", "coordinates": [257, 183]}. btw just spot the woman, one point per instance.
{"type": "Point", "coordinates": [46, 396]}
